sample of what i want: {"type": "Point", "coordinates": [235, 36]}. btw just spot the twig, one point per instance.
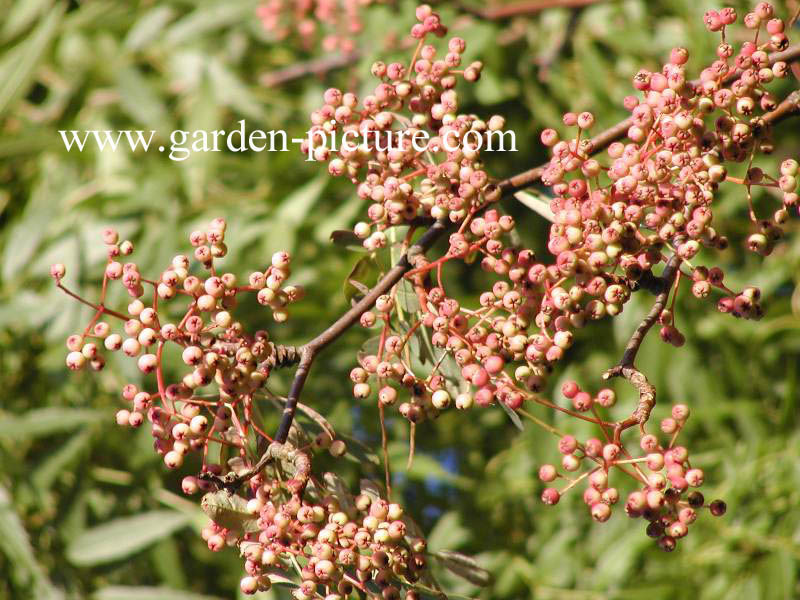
{"type": "Point", "coordinates": [563, 43]}
{"type": "Point", "coordinates": [308, 352]}
{"type": "Point", "coordinates": [599, 142]}
{"type": "Point", "coordinates": [317, 66]}
{"type": "Point", "coordinates": [625, 368]}
{"type": "Point", "coordinates": [796, 15]}
{"type": "Point", "coordinates": [525, 7]}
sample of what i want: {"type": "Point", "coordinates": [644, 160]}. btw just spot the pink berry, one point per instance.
{"type": "Point", "coordinates": [551, 496]}
{"type": "Point", "coordinates": [548, 473]}
{"type": "Point", "coordinates": [569, 389]}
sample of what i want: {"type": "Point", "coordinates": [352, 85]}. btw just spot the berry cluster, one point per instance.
{"type": "Point", "coordinates": [613, 223]}
{"type": "Point", "coordinates": [665, 475]}
{"type": "Point", "coordinates": [334, 22]}
{"type": "Point", "coordinates": [663, 182]}
{"type": "Point", "coordinates": [606, 237]}
{"type": "Point", "coordinates": [416, 159]}
{"type": "Point", "coordinates": [212, 344]}
{"type": "Point", "coordinates": [337, 543]}
{"type": "Point", "coordinates": [406, 147]}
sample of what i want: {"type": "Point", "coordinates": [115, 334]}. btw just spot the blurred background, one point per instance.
{"type": "Point", "coordinates": [87, 510]}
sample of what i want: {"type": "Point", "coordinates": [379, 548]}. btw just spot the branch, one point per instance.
{"type": "Point", "coordinates": [525, 7]}
{"type": "Point", "coordinates": [599, 142]}
{"type": "Point", "coordinates": [788, 108]}
{"type": "Point", "coordinates": [316, 66]}
{"type": "Point", "coordinates": [564, 42]}
{"type": "Point", "coordinates": [625, 368]}
{"type": "Point", "coordinates": [309, 351]}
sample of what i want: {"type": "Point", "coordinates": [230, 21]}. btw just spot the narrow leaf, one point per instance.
{"type": "Point", "coordinates": [18, 65]}
{"type": "Point", "coordinates": [14, 543]}
{"type": "Point", "coordinates": [42, 422]}
{"type": "Point", "coordinates": [363, 275]}
{"type": "Point", "coordinates": [125, 592]}
{"type": "Point", "coordinates": [346, 238]}
{"type": "Point", "coordinates": [148, 27]}
{"type": "Point", "coordinates": [338, 489]}
{"type": "Point", "coordinates": [123, 537]}
{"type": "Point", "coordinates": [513, 416]}
{"type": "Point", "coordinates": [537, 203]}
{"type": "Point", "coordinates": [407, 297]}
{"type": "Point", "coordinates": [465, 567]}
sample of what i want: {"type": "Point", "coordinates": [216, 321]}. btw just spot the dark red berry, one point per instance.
{"type": "Point", "coordinates": [696, 499]}
{"type": "Point", "coordinates": [718, 508]}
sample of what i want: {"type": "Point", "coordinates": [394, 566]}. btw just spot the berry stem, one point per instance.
{"type": "Point", "coordinates": [540, 423]}
{"type": "Point", "coordinates": [97, 307]}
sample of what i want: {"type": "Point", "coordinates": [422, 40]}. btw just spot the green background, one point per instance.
{"type": "Point", "coordinates": [87, 509]}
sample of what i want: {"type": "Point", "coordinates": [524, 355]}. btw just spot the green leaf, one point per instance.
{"type": "Point", "coordinates": [465, 567]}
{"type": "Point", "coordinates": [27, 233]}
{"type": "Point", "coordinates": [342, 217]}
{"type": "Point", "coordinates": [407, 297]}
{"type": "Point", "coordinates": [21, 15]}
{"type": "Point", "coordinates": [359, 452]}
{"type": "Point", "coordinates": [312, 414]}
{"type": "Point", "coordinates": [491, 89]}
{"type": "Point", "coordinates": [14, 543]}
{"type": "Point", "coordinates": [124, 592]}
{"type": "Point", "coordinates": [296, 207]}
{"type": "Point", "coordinates": [229, 510]}
{"type": "Point", "coordinates": [276, 577]}
{"type": "Point", "coordinates": [18, 65]}
{"type": "Point", "coordinates": [148, 27]}
{"type": "Point", "coordinates": [139, 98]}
{"type": "Point", "coordinates": [448, 532]}
{"type": "Point", "coordinates": [425, 467]}
{"type": "Point", "coordinates": [361, 278]}
{"type": "Point", "coordinates": [42, 422]}
{"type": "Point", "coordinates": [209, 18]}
{"type": "Point", "coordinates": [60, 460]}
{"type": "Point", "coordinates": [371, 488]}
{"type": "Point", "coordinates": [292, 212]}
{"type": "Point", "coordinates": [337, 488]}
{"type": "Point", "coordinates": [346, 239]}
{"type": "Point", "coordinates": [123, 537]}
{"type": "Point", "coordinates": [231, 91]}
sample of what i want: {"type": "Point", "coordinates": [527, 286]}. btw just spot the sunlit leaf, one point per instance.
{"type": "Point", "coordinates": [465, 567]}
{"type": "Point", "coordinates": [123, 537]}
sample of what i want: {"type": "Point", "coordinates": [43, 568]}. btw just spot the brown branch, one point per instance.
{"type": "Point", "coordinates": [788, 108]}
{"type": "Point", "coordinates": [316, 66]}
{"type": "Point", "coordinates": [309, 351]}
{"type": "Point", "coordinates": [625, 368]}
{"type": "Point", "coordinates": [562, 45]}
{"type": "Point", "coordinates": [525, 7]}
